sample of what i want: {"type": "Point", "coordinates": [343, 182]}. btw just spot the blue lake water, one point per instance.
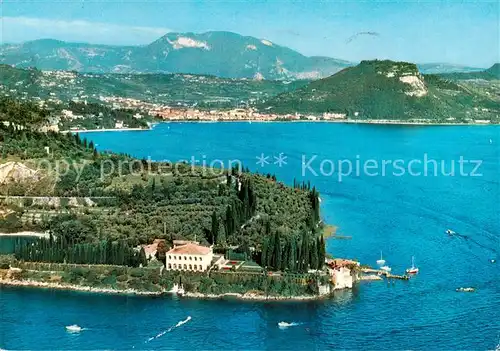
{"type": "Point", "coordinates": [403, 215]}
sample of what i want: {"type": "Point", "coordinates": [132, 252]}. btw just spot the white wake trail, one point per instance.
{"type": "Point", "coordinates": [169, 329]}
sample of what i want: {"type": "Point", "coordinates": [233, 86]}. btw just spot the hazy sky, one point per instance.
{"type": "Point", "coordinates": [454, 31]}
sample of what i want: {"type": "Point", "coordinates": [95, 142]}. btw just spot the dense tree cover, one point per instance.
{"type": "Point", "coordinates": [63, 251]}
{"type": "Point", "coordinates": [98, 116]}
{"type": "Point", "coordinates": [373, 90]}
{"type": "Point", "coordinates": [22, 115]}
{"type": "Point", "coordinates": [202, 91]}
{"type": "Point", "coordinates": [283, 253]}
{"type": "Point", "coordinates": [20, 135]}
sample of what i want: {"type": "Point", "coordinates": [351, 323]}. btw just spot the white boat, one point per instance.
{"type": "Point", "coordinates": [74, 328]}
{"type": "Point", "coordinates": [386, 268]}
{"type": "Point", "coordinates": [413, 269]}
{"type": "Point", "coordinates": [450, 232]}
{"type": "Point", "coordinates": [381, 262]}
{"type": "Point", "coordinates": [465, 289]}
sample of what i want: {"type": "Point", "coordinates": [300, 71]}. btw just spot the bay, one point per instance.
{"type": "Point", "coordinates": [402, 215]}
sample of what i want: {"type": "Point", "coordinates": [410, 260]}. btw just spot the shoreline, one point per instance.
{"type": "Point", "coordinates": [351, 121]}
{"type": "Point", "coordinates": [105, 130]}
{"type": "Point", "coordinates": [252, 297]}
{"type": "Point", "coordinates": [249, 121]}
{"type": "Point", "coordinates": [249, 296]}
{"type": "Point", "coordinates": [81, 288]}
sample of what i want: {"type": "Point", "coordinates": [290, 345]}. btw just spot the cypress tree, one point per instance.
{"type": "Point", "coordinates": [277, 251]}
{"type": "Point", "coordinates": [142, 257]}
{"type": "Point", "coordinates": [109, 252]}
{"type": "Point", "coordinates": [321, 252]}
{"type": "Point", "coordinates": [264, 253]}
{"type": "Point", "coordinates": [229, 222]}
{"type": "Point", "coordinates": [285, 261]}
{"type": "Point", "coordinates": [314, 261]}
{"type": "Point", "coordinates": [215, 227]}
{"type": "Point", "coordinates": [304, 251]}
{"type": "Point", "coordinates": [271, 251]}
{"type": "Point", "coordinates": [292, 255]}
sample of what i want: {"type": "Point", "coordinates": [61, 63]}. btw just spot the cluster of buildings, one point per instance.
{"type": "Point", "coordinates": [193, 257]}
{"type": "Point", "coordinates": [182, 113]}
{"type": "Point", "coordinates": [237, 114]}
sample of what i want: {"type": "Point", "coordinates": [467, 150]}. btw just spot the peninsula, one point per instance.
{"type": "Point", "coordinates": [118, 224]}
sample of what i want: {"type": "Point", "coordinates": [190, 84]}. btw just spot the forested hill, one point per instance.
{"type": "Point", "coordinates": [79, 195]}
{"type": "Point", "coordinates": [172, 89]}
{"type": "Point", "coordinates": [386, 90]}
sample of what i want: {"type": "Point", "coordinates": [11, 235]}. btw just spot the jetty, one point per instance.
{"type": "Point", "coordinates": [386, 274]}
{"type": "Point", "coordinates": [395, 276]}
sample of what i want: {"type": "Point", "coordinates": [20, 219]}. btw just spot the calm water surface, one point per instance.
{"type": "Point", "coordinates": [401, 215]}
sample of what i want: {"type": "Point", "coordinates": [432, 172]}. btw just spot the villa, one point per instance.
{"type": "Point", "coordinates": [189, 256]}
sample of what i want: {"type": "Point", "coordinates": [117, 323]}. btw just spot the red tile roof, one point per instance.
{"type": "Point", "coordinates": [339, 262]}
{"type": "Point", "coordinates": [152, 248]}
{"type": "Point", "coordinates": [190, 249]}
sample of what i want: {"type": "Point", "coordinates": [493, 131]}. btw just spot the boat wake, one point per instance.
{"type": "Point", "coordinates": [470, 239]}
{"type": "Point", "coordinates": [283, 325]}
{"type": "Point", "coordinates": [169, 329]}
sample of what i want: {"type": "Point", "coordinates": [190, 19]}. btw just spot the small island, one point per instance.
{"type": "Point", "coordinates": [116, 224]}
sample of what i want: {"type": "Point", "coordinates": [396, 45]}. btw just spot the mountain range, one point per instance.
{"type": "Point", "coordinates": [222, 54]}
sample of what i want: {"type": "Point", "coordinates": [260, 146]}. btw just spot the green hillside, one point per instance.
{"type": "Point", "coordinates": [385, 90]}
{"type": "Point", "coordinates": [170, 89]}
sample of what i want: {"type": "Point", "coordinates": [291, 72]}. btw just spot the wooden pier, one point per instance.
{"type": "Point", "coordinates": [386, 274]}
{"type": "Point", "coordinates": [395, 276]}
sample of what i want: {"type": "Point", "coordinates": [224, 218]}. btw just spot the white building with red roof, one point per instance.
{"type": "Point", "coordinates": [188, 256]}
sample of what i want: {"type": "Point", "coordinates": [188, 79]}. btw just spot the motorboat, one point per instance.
{"type": "Point", "coordinates": [386, 268]}
{"type": "Point", "coordinates": [74, 328]}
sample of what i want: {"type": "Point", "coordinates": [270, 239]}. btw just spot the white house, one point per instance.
{"type": "Point", "coordinates": [189, 256]}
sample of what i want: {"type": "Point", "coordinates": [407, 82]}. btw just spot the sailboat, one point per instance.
{"type": "Point", "coordinates": [381, 261]}
{"type": "Point", "coordinates": [413, 269]}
